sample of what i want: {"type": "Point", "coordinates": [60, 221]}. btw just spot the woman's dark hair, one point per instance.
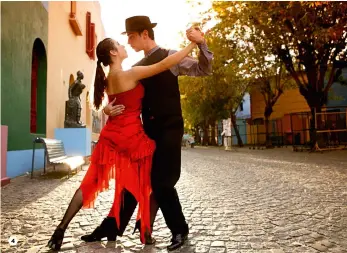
{"type": "Point", "coordinates": [103, 54]}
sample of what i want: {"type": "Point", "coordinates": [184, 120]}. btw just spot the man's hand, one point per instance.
{"type": "Point", "coordinates": [113, 110]}
{"type": "Point", "coordinates": [195, 35]}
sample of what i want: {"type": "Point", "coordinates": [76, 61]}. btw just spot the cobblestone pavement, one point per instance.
{"type": "Point", "coordinates": [239, 201]}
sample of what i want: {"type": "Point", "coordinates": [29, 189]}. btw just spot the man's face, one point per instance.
{"type": "Point", "coordinates": [136, 41]}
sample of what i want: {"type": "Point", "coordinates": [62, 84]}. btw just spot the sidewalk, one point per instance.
{"type": "Point", "coordinates": [244, 201]}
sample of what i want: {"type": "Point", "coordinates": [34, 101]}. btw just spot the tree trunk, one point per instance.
{"type": "Point", "coordinates": [267, 114]}
{"type": "Point", "coordinates": [196, 134]}
{"type": "Point", "coordinates": [315, 100]}
{"type": "Point", "coordinates": [205, 138]}
{"type": "Point", "coordinates": [233, 124]}
{"type": "Point", "coordinates": [268, 143]}
{"type": "Point", "coordinates": [213, 133]}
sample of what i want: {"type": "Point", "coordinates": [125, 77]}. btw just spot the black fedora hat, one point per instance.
{"type": "Point", "coordinates": [138, 23]}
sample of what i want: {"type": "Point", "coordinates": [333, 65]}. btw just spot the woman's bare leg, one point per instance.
{"type": "Point", "coordinates": [75, 205]}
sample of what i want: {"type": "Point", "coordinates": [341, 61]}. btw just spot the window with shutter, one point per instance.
{"type": "Point", "coordinates": [88, 19]}
{"type": "Point", "coordinates": [73, 20]}
{"type": "Point", "coordinates": [90, 37]}
{"type": "Point", "coordinates": [73, 9]}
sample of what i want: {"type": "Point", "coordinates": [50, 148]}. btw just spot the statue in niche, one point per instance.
{"type": "Point", "coordinates": [73, 106]}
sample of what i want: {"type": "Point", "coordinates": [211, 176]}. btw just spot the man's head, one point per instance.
{"type": "Point", "coordinates": [140, 32]}
{"type": "Point", "coordinates": [139, 39]}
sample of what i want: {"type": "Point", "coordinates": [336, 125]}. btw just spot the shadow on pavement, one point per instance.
{"type": "Point", "coordinates": [23, 190]}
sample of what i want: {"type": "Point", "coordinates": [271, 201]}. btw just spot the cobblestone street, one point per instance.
{"type": "Point", "coordinates": [240, 201]}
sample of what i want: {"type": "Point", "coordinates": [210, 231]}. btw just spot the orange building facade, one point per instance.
{"type": "Point", "coordinates": [74, 30]}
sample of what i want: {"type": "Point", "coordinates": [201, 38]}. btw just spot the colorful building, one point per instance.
{"type": "Point", "coordinates": [243, 113]}
{"type": "Point", "coordinates": [73, 32]}
{"type": "Point", "coordinates": [24, 41]}
{"type": "Point", "coordinates": [281, 121]}
{"type": "Point", "coordinates": [290, 120]}
{"type": "Point", "coordinates": [43, 46]}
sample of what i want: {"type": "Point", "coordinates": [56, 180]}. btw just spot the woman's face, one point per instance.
{"type": "Point", "coordinates": [122, 53]}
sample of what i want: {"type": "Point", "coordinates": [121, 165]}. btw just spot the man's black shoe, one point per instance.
{"type": "Point", "coordinates": [177, 241]}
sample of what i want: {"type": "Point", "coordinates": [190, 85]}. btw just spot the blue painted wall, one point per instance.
{"type": "Point", "coordinates": [242, 130]}
{"type": "Point", "coordinates": [19, 161]}
{"type": "Point", "coordinates": [245, 113]}
{"type": "Point", "coordinates": [77, 141]}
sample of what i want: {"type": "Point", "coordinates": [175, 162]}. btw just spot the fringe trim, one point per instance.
{"type": "Point", "coordinates": [130, 172]}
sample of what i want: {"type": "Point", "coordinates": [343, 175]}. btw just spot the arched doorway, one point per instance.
{"type": "Point", "coordinates": [38, 88]}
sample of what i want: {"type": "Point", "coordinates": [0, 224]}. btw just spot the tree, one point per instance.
{"type": "Point", "coordinates": [200, 105]}
{"type": "Point", "coordinates": [265, 72]}
{"type": "Point", "coordinates": [215, 97]}
{"type": "Point", "coordinates": [195, 105]}
{"type": "Point", "coordinates": [255, 61]}
{"type": "Point", "coordinates": [232, 85]}
{"type": "Point", "coordinates": [308, 37]}
{"type": "Point", "coordinates": [271, 86]}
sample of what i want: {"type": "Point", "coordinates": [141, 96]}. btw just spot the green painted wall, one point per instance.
{"type": "Point", "coordinates": [21, 24]}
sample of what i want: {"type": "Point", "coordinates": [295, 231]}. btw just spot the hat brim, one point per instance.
{"type": "Point", "coordinates": [128, 31]}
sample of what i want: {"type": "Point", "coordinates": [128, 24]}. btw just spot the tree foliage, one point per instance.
{"type": "Point", "coordinates": [211, 98]}
{"type": "Point", "coordinates": [308, 37]}
{"type": "Point", "coordinates": [254, 42]}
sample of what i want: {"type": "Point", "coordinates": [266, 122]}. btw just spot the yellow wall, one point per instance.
{"type": "Point", "coordinates": [289, 102]}
{"type": "Point", "coordinates": [66, 55]}
{"type": "Point", "coordinates": [255, 134]}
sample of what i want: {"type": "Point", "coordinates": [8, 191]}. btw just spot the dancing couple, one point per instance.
{"type": "Point", "coordinates": [143, 156]}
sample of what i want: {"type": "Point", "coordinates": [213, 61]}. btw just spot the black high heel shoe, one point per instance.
{"type": "Point", "coordinates": [57, 239]}
{"type": "Point", "coordinates": [107, 228]}
{"type": "Point", "coordinates": [149, 240]}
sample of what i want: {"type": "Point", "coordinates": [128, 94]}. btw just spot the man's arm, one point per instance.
{"type": "Point", "coordinates": [193, 67]}
{"type": "Point", "coordinates": [141, 72]}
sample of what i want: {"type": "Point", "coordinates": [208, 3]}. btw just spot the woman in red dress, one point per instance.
{"type": "Point", "coordinates": [124, 152]}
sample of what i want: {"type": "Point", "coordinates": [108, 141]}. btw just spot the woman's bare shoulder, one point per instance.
{"type": "Point", "coordinates": [119, 82]}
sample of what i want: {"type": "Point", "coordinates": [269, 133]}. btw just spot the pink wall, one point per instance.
{"type": "Point", "coordinates": [4, 179]}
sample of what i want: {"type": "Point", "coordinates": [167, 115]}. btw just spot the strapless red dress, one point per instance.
{"type": "Point", "coordinates": [124, 153]}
